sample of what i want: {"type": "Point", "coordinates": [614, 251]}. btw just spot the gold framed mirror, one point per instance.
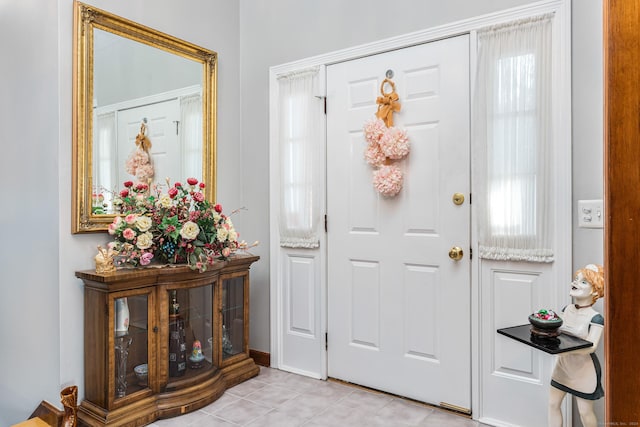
{"type": "Point", "coordinates": [134, 84]}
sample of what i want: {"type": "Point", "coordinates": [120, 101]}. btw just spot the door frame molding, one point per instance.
{"type": "Point", "coordinates": [622, 228]}
{"type": "Point", "coordinates": [562, 200]}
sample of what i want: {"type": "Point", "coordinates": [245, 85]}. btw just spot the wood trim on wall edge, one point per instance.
{"type": "Point", "coordinates": [621, 29]}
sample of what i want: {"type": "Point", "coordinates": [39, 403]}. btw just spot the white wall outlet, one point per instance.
{"type": "Point", "coordinates": [590, 214]}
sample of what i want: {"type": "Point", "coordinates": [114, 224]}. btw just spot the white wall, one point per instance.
{"type": "Point", "coordinates": [42, 308]}
{"type": "Point", "coordinates": [588, 183]}
{"type": "Point", "coordinates": [29, 210]}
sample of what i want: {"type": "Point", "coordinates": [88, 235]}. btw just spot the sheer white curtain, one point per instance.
{"type": "Point", "coordinates": [300, 144]}
{"type": "Point", "coordinates": [105, 160]}
{"type": "Point", "coordinates": [191, 136]}
{"type": "Point", "coordinates": [512, 127]}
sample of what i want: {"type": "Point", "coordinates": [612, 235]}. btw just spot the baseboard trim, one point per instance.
{"type": "Point", "coordinates": [260, 357]}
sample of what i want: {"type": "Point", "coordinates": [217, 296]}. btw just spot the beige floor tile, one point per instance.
{"type": "Point", "coordinates": [222, 401]}
{"type": "Point", "coordinates": [247, 387]}
{"type": "Point", "coordinates": [441, 418]}
{"type": "Point", "coordinates": [272, 395]}
{"type": "Point", "coordinates": [404, 412]}
{"type": "Point", "coordinates": [242, 412]}
{"type": "Point", "coordinates": [277, 418]}
{"type": "Point", "coordinates": [281, 399]}
{"type": "Point", "coordinates": [366, 400]}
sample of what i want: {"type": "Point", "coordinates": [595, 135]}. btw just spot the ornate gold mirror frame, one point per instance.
{"type": "Point", "coordinates": [86, 20]}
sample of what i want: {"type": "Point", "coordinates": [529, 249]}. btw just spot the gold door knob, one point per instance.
{"type": "Point", "coordinates": [458, 198]}
{"type": "Point", "coordinates": [456, 253]}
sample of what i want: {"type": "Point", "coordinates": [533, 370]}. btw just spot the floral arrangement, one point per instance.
{"type": "Point", "coordinates": [545, 314]}
{"type": "Point", "coordinates": [386, 143]}
{"type": "Point", "coordinates": [179, 226]}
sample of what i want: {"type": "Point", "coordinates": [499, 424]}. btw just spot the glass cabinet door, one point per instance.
{"type": "Point", "coordinates": [190, 332]}
{"type": "Point", "coordinates": [233, 330]}
{"type": "Point", "coordinates": [131, 344]}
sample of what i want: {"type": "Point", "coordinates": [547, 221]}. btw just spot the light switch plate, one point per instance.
{"type": "Point", "coordinates": [590, 214]}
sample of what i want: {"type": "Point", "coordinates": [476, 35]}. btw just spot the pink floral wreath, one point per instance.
{"type": "Point", "coordinates": [139, 162]}
{"type": "Point", "coordinates": [386, 143]}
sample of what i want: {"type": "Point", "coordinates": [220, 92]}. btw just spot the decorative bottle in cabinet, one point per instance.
{"type": "Point", "coordinates": [122, 316]}
{"type": "Point", "coordinates": [177, 342]}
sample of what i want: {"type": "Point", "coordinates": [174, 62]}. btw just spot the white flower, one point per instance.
{"type": "Point", "coordinates": [223, 233]}
{"type": "Point", "coordinates": [143, 223]}
{"type": "Point", "coordinates": [164, 201]}
{"type": "Point", "coordinates": [190, 230]}
{"type": "Point", "coordinates": [233, 236]}
{"type": "Point", "coordinates": [145, 240]}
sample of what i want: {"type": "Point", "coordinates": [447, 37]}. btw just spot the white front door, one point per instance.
{"type": "Point", "coordinates": [163, 120]}
{"type": "Point", "coordinates": [398, 305]}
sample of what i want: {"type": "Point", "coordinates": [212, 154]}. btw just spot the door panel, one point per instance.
{"type": "Point", "coordinates": [398, 306]}
{"type": "Point", "coordinates": [162, 131]}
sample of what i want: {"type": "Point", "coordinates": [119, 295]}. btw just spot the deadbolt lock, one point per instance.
{"type": "Point", "coordinates": [458, 198]}
{"type": "Point", "coordinates": [455, 253]}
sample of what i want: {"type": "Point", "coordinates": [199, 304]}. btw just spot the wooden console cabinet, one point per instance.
{"type": "Point", "coordinates": [170, 310]}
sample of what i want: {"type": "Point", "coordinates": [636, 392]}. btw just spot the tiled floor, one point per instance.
{"type": "Point", "coordinates": [280, 399]}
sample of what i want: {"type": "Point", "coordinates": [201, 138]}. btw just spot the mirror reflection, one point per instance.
{"type": "Point", "coordinates": [144, 110]}
{"type": "Point", "coordinates": [147, 116]}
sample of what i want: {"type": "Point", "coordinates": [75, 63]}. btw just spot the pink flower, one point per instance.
{"type": "Point", "coordinates": [172, 192]}
{"type": "Point", "coordinates": [177, 184]}
{"type": "Point", "coordinates": [124, 193]}
{"type": "Point", "coordinates": [373, 130]}
{"type": "Point", "coordinates": [131, 218]}
{"type": "Point", "coordinates": [112, 229]}
{"type": "Point", "coordinates": [394, 143]}
{"type": "Point", "coordinates": [192, 181]}
{"type": "Point", "coordinates": [114, 225]}
{"type": "Point", "coordinates": [129, 234]}
{"type": "Point", "coordinates": [202, 185]}
{"type": "Point", "coordinates": [146, 257]}
{"type": "Point", "coordinates": [218, 208]}
{"type": "Point", "coordinates": [226, 252]}
{"type": "Point", "coordinates": [388, 180]}
{"type": "Point", "coordinates": [141, 186]}
{"type": "Point", "coordinates": [144, 172]}
{"type": "Point", "coordinates": [139, 164]}
{"type": "Point", "coordinates": [374, 155]}
{"type": "Point", "coordinates": [198, 197]}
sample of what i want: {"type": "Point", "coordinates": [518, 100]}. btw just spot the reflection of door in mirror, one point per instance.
{"type": "Point", "coordinates": [134, 82]}
{"type": "Point", "coordinates": [162, 122]}
{"type": "Point", "coordinates": [174, 129]}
